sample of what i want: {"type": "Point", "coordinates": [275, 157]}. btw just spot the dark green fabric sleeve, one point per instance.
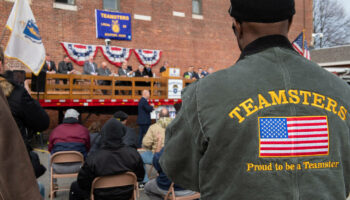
{"type": "Point", "coordinates": [183, 144]}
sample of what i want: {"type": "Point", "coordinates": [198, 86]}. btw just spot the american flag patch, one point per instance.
{"type": "Point", "coordinates": [293, 136]}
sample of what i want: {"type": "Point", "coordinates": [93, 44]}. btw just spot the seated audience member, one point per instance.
{"type": "Point", "coordinates": [95, 136]}
{"type": "Point", "coordinates": [157, 188]}
{"type": "Point", "coordinates": [49, 66]}
{"type": "Point", "coordinates": [90, 67]}
{"type": "Point", "coordinates": [191, 74]}
{"type": "Point", "coordinates": [65, 67]}
{"type": "Point", "coordinates": [130, 138]}
{"type": "Point", "coordinates": [70, 135]}
{"type": "Point", "coordinates": [154, 138]}
{"type": "Point", "coordinates": [113, 158]}
{"type": "Point", "coordinates": [200, 73]}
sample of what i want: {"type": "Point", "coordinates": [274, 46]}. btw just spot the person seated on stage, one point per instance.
{"type": "Point", "coordinates": [69, 136]}
{"type": "Point", "coordinates": [154, 138]}
{"type": "Point", "coordinates": [210, 70]}
{"type": "Point", "coordinates": [124, 71]}
{"type": "Point", "coordinates": [130, 138]}
{"type": "Point", "coordinates": [141, 72]}
{"type": "Point", "coordinates": [49, 66]}
{"type": "Point", "coordinates": [113, 158]}
{"type": "Point", "coordinates": [90, 67]}
{"type": "Point", "coordinates": [65, 67]}
{"type": "Point", "coordinates": [157, 188]}
{"type": "Point", "coordinates": [191, 74]}
{"type": "Point", "coordinates": [148, 70]}
{"type": "Point", "coordinates": [104, 71]}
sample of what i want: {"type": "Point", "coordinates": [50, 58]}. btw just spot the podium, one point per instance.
{"type": "Point", "coordinates": [171, 72]}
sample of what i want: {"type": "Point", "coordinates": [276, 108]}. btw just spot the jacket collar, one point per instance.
{"type": "Point", "coordinates": [264, 43]}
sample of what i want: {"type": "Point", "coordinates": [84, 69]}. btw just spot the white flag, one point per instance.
{"type": "Point", "coordinates": [25, 42]}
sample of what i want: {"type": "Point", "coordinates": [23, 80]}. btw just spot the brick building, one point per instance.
{"type": "Point", "coordinates": [188, 32]}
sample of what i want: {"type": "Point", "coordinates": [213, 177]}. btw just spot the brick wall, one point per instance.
{"type": "Point", "coordinates": [185, 41]}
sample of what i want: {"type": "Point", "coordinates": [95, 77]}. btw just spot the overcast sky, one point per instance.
{"type": "Point", "coordinates": [346, 4]}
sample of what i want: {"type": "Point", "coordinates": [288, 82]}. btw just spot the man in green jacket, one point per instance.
{"type": "Point", "coordinates": [273, 126]}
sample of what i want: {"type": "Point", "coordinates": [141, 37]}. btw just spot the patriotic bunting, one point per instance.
{"type": "Point", "coordinates": [116, 55]}
{"type": "Point", "coordinates": [150, 57]}
{"type": "Point", "coordinates": [79, 53]}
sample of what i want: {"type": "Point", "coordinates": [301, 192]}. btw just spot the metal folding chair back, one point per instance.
{"type": "Point", "coordinates": [171, 195]}
{"type": "Point", "coordinates": [127, 178]}
{"type": "Point", "coordinates": [59, 158]}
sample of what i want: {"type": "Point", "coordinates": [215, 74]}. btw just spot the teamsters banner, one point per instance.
{"type": "Point", "coordinates": [113, 25]}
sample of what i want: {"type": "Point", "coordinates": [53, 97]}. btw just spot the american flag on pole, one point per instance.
{"type": "Point", "coordinates": [293, 136]}
{"type": "Point", "coordinates": [300, 45]}
{"type": "Point", "coordinates": [306, 51]}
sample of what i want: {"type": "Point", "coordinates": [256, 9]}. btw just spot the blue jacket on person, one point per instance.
{"type": "Point", "coordinates": [163, 181]}
{"type": "Point", "coordinates": [144, 112]}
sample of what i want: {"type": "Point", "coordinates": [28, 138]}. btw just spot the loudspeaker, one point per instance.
{"type": "Point", "coordinates": [39, 82]}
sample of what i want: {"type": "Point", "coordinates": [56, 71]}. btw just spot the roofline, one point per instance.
{"type": "Point", "coordinates": [326, 64]}
{"type": "Point", "coordinates": [334, 47]}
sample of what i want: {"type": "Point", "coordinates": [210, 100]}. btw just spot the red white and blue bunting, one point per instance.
{"type": "Point", "coordinates": [116, 55]}
{"type": "Point", "coordinates": [146, 56]}
{"type": "Point", "coordinates": [79, 53]}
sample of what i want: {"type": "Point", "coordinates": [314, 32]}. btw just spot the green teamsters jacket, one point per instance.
{"type": "Point", "coordinates": [273, 126]}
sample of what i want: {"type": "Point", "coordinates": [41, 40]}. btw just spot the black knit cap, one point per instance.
{"type": "Point", "coordinates": [262, 11]}
{"type": "Point", "coordinates": [120, 115]}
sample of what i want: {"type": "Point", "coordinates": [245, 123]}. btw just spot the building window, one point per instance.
{"type": "Point", "coordinates": [70, 2]}
{"type": "Point", "coordinates": [197, 7]}
{"type": "Point", "coordinates": [111, 4]}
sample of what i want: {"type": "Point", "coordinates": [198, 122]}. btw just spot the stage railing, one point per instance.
{"type": "Point", "coordinates": [63, 86]}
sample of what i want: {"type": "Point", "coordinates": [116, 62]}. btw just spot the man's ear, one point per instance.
{"type": "Point", "coordinates": [238, 28]}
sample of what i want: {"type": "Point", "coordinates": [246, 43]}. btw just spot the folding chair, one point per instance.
{"type": "Point", "coordinates": [171, 195]}
{"type": "Point", "coordinates": [63, 157]}
{"type": "Point", "coordinates": [127, 178]}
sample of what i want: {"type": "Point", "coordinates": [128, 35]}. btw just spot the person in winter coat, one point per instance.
{"type": "Point", "coordinates": [27, 112]}
{"type": "Point", "coordinates": [17, 178]}
{"type": "Point", "coordinates": [113, 158]}
{"type": "Point", "coordinates": [70, 135]}
{"type": "Point", "coordinates": [154, 138]}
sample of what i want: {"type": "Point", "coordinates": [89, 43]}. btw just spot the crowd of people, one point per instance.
{"type": "Point", "coordinates": [91, 68]}
{"type": "Point", "coordinates": [273, 126]}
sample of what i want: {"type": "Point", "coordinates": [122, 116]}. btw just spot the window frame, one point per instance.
{"type": "Point", "coordinates": [112, 9]}
{"type": "Point", "coordinates": [71, 4]}
{"type": "Point", "coordinates": [200, 7]}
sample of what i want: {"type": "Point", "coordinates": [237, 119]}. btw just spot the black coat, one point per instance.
{"type": "Point", "coordinates": [113, 158]}
{"type": "Point", "coordinates": [52, 68]}
{"type": "Point", "coordinates": [27, 112]}
{"type": "Point", "coordinates": [144, 112]}
{"type": "Point", "coordinates": [64, 68]}
{"type": "Point", "coordinates": [141, 74]}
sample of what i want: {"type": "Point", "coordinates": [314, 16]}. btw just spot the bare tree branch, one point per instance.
{"type": "Point", "coordinates": [331, 20]}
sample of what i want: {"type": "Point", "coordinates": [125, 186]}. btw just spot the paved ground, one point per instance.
{"type": "Point", "coordinates": [64, 195]}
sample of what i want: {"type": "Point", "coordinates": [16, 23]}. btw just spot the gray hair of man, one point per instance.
{"type": "Point", "coordinates": [164, 113]}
